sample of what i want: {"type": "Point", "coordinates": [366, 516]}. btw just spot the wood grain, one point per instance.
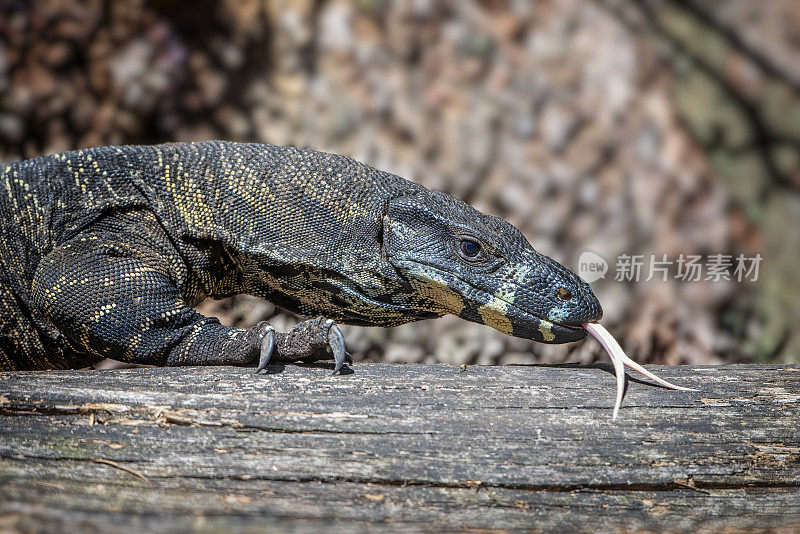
{"type": "Point", "coordinates": [392, 447]}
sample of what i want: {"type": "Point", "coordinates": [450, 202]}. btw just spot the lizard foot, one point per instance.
{"type": "Point", "coordinates": [312, 340]}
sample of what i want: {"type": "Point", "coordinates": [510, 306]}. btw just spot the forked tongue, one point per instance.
{"type": "Point", "coordinates": [620, 360]}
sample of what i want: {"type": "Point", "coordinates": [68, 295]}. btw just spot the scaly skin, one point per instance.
{"type": "Point", "coordinates": [105, 251]}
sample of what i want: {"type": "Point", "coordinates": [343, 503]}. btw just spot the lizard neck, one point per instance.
{"type": "Point", "coordinates": [298, 227]}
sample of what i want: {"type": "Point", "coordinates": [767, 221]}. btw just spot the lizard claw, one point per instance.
{"type": "Point", "coordinates": [267, 348]}
{"type": "Point", "coordinates": [336, 343]}
{"type": "Point", "coordinates": [308, 341]}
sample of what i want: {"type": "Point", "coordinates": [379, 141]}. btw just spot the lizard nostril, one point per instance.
{"type": "Point", "coordinates": [564, 294]}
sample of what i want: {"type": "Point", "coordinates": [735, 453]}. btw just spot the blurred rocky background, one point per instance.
{"type": "Point", "coordinates": [654, 127]}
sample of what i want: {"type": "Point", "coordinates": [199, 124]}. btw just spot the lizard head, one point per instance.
{"type": "Point", "coordinates": [481, 268]}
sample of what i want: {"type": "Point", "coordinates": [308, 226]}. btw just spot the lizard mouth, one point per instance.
{"type": "Point", "coordinates": [517, 321]}
{"type": "Point", "coordinates": [556, 332]}
{"type": "Point", "coordinates": [568, 326]}
{"type": "Point", "coordinates": [527, 325]}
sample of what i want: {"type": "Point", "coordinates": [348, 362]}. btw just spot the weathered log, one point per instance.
{"type": "Point", "coordinates": [398, 447]}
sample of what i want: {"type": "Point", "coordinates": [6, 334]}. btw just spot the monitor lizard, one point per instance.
{"type": "Point", "coordinates": [105, 251]}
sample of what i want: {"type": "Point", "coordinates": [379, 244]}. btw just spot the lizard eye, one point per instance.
{"type": "Point", "coordinates": [469, 248]}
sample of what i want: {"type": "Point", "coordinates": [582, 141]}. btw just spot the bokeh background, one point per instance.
{"type": "Point", "coordinates": [655, 127]}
